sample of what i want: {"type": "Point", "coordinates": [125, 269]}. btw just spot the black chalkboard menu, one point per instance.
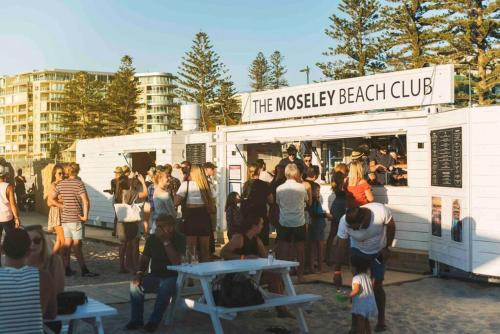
{"type": "Point", "coordinates": [446, 158]}
{"type": "Point", "coordinates": [196, 153]}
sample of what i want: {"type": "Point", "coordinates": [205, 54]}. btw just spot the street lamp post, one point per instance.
{"type": "Point", "coordinates": [306, 69]}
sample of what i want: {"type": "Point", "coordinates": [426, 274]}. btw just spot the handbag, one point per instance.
{"type": "Point", "coordinates": [128, 213]}
{"type": "Point", "coordinates": [68, 301]}
{"type": "Point", "coordinates": [237, 290]}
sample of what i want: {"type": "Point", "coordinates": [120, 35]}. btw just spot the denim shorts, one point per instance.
{"type": "Point", "coordinates": [377, 266]}
{"type": "Point", "coordinates": [73, 231]}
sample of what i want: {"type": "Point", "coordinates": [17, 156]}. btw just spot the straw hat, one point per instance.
{"type": "Point", "coordinates": [355, 155]}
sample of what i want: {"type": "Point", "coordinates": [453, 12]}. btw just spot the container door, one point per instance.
{"type": "Point", "coordinates": [450, 237]}
{"type": "Point", "coordinates": [485, 190]}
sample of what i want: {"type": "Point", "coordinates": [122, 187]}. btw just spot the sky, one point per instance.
{"type": "Point", "coordinates": [93, 35]}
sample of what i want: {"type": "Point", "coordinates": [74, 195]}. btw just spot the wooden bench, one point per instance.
{"type": "Point", "coordinates": [90, 312]}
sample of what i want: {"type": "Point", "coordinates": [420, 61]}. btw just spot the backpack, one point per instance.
{"type": "Point", "coordinates": [68, 301]}
{"type": "Point", "coordinates": [237, 290]}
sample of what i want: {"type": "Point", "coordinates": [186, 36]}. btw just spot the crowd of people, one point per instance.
{"type": "Point", "coordinates": [37, 267]}
{"type": "Point", "coordinates": [179, 220]}
{"type": "Point", "coordinates": [290, 202]}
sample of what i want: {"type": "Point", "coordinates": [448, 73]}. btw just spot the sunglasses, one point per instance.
{"type": "Point", "coordinates": [36, 240]}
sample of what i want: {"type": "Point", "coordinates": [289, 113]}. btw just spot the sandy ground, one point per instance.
{"type": "Point", "coordinates": [429, 305]}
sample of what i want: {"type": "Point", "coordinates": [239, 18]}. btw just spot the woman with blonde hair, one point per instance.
{"type": "Point", "coordinates": [55, 207]}
{"type": "Point", "coordinates": [359, 191]}
{"type": "Point", "coordinates": [198, 200]}
{"type": "Point", "coordinates": [163, 202]}
{"type": "Point", "coordinates": [42, 257]}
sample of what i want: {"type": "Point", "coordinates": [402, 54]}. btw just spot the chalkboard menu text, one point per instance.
{"type": "Point", "coordinates": [196, 153]}
{"type": "Point", "coordinates": [446, 158]}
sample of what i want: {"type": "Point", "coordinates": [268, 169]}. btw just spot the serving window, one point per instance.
{"type": "Point", "coordinates": [384, 158]}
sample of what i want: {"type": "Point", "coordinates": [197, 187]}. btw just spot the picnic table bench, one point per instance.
{"type": "Point", "coordinates": [207, 272]}
{"type": "Point", "coordinates": [90, 312]}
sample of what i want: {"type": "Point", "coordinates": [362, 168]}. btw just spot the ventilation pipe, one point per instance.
{"type": "Point", "coordinates": [190, 117]}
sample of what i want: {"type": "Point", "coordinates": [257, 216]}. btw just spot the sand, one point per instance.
{"type": "Point", "coordinates": [428, 306]}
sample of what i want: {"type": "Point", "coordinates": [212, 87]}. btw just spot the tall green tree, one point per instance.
{"type": "Point", "coordinates": [277, 71]}
{"type": "Point", "coordinates": [356, 31]}
{"type": "Point", "coordinates": [55, 151]}
{"type": "Point", "coordinates": [472, 35]}
{"type": "Point", "coordinates": [410, 33]}
{"type": "Point", "coordinates": [199, 75]}
{"type": "Point", "coordinates": [259, 73]}
{"type": "Point", "coordinates": [84, 108]}
{"type": "Point", "coordinates": [227, 106]}
{"type": "Point", "coordinates": [122, 99]}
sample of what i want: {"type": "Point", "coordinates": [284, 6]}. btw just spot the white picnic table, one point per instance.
{"type": "Point", "coordinates": [208, 271]}
{"type": "Point", "coordinates": [90, 312]}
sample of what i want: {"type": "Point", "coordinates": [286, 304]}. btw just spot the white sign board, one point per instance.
{"type": "Point", "coordinates": [420, 87]}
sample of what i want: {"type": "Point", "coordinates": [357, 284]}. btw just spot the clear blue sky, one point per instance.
{"type": "Point", "coordinates": [93, 34]}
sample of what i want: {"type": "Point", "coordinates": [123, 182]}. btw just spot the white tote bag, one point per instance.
{"type": "Point", "coordinates": [128, 213]}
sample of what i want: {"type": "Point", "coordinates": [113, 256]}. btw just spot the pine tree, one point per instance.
{"type": "Point", "coordinates": [227, 106]}
{"type": "Point", "coordinates": [55, 151]}
{"type": "Point", "coordinates": [259, 73]}
{"type": "Point", "coordinates": [472, 36]}
{"type": "Point", "coordinates": [84, 108]}
{"type": "Point", "coordinates": [199, 76]}
{"type": "Point", "coordinates": [410, 33]}
{"type": "Point", "coordinates": [356, 39]}
{"type": "Point", "coordinates": [122, 100]}
{"type": "Point", "coordinates": [277, 71]}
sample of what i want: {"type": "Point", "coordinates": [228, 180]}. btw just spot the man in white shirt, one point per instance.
{"type": "Point", "coordinates": [371, 230]}
{"type": "Point", "coordinates": [291, 198]}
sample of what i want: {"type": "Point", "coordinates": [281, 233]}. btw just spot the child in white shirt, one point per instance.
{"type": "Point", "coordinates": [363, 299]}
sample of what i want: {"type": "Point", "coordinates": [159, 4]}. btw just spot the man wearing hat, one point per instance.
{"type": "Point", "coordinates": [292, 159]}
{"type": "Point", "coordinates": [113, 191]}
{"type": "Point", "coordinates": [371, 230]}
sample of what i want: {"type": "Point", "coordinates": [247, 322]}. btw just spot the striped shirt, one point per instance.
{"type": "Point", "coordinates": [20, 309]}
{"type": "Point", "coordinates": [70, 191]}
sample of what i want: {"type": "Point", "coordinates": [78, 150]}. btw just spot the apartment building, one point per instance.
{"type": "Point", "coordinates": [30, 109]}
{"type": "Point", "coordinates": [158, 111]}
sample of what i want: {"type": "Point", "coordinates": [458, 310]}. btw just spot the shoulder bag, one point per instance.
{"type": "Point", "coordinates": [128, 213]}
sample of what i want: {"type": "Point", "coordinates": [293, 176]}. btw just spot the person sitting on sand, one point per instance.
{"type": "Point", "coordinates": [161, 250]}
{"type": "Point", "coordinates": [247, 245]}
